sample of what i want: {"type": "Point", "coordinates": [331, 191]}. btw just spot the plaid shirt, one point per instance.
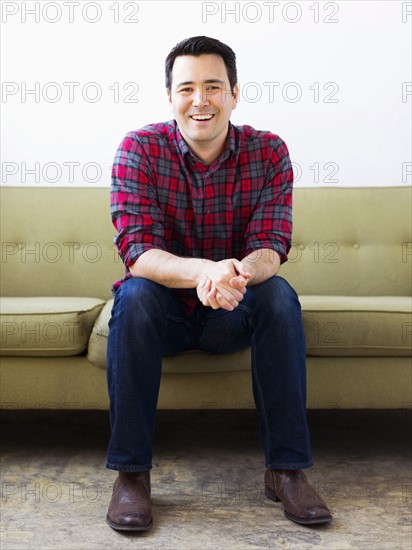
{"type": "Point", "coordinates": [163, 196]}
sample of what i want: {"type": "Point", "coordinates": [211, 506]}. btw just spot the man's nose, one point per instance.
{"type": "Point", "coordinates": [200, 97]}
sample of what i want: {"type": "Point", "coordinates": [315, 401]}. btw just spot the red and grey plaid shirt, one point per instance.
{"type": "Point", "coordinates": [163, 196]}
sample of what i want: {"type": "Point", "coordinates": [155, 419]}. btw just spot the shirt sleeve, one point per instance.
{"type": "Point", "coordinates": [133, 204]}
{"type": "Point", "coordinates": [270, 225]}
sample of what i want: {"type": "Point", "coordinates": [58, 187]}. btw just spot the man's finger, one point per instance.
{"type": "Point", "coordinates": [242, 269]}
{"type": "Point", "coordinates": [224, 303]}
{"type": "Point", "coordinates": [232, 296]}
{"type": "Point", "coordinates": [239, 283]}
{"type": "Point", "coordinates": [211, 298]}
{"type": "Point", "coordinates": [217, 300]}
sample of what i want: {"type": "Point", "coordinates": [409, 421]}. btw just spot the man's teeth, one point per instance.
{"type": "Point", "coordinates": [202, 117]}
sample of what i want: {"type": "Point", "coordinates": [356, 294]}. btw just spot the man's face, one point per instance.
{"type": "Point", "coordinates": [202, 101]}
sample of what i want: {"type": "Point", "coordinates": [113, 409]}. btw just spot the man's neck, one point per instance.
{"type": "Point", "coordinates": [207, 157]}
{"type": "Point", "coordinates": [207, 152]}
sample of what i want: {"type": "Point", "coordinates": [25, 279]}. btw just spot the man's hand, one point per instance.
{"type": "Point", "coordinates": [246, 270]}
{"type": "Point", "coordinates": [223, 286]}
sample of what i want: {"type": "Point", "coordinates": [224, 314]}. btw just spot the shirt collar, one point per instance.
{"type": "Point", "coordinates": [229, 148]}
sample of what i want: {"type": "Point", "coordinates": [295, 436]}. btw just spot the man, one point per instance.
{"type": "Point", "coordinates": [203, 214]}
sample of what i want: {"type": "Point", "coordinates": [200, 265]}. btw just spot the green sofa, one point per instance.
{"type": "Point", "coordinates": [350, 263]}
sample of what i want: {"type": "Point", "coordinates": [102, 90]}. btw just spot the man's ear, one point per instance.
{"type": "Point", "coordinates": [235, 96]}
{"type": "Point", "coordinates": [169, 97]}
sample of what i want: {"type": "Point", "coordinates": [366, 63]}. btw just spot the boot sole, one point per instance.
{"type": "Point", "coordinates": [270, 493]}
{"type": "Point", "coordinates": [119, 527]}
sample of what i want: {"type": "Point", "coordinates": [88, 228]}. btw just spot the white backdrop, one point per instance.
{"type": "Point", "coordinates": [333, 79]}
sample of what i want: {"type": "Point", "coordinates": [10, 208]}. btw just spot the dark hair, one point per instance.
{"type": "Point", "coordinates": [199, 45]}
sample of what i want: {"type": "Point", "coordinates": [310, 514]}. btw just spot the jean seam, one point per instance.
{"type": "Point", "coordinates": [258, 385]}
{"type": "Point", "coordinates": [221, 311]}
{"type": "Point", "coordinates": [263, 405]}
{"type": "Point", "coordinates": [113, 359]}
{"type": "Point", "coordinates": [178, 319]}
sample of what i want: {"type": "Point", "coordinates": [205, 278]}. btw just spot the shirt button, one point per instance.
{"type": "Point", "coordinates": [208, 211]}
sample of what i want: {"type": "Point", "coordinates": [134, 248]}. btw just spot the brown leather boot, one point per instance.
{"type": "Point", "coordinates": [301, 502]}
{"type": "Point", "coordinates": [130, 508]}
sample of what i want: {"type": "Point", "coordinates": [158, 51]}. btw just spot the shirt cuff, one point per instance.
{"type": "Point", "coordinates": [272, 245]}
{"type": "Point", "coordinates": [136, 250]}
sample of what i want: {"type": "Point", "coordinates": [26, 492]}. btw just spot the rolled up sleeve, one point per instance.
{"type": "Point", "coordinates": [270, 225]}
{"type": "Point", "coordinates": [133, 204]}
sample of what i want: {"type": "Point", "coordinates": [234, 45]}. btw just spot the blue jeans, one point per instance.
{"type": "Point", "coordinates": [147, 323]}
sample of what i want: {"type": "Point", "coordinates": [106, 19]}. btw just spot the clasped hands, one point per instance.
{"type": "Point", "coordinates": [223, 284]}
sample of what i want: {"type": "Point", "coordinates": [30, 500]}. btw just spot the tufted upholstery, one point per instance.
{"type": "Point", "coordinates": [59, 241]}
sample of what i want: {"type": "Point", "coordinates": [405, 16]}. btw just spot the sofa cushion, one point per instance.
{"type": "Point", "coordinates": [334, 326]}
{"type": "Point", "coordinates": [97, 346]}
{"type": "Point", "coordinates": [50, 326]}
{"type": "Point", "coordinates": [184, 362]}
{"type": "Point", "coordinates": [358, 325]}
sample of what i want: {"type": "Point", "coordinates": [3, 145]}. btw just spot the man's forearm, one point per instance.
{"type": "Point", "coordinates": [175, 272]}
{"type": "Point", "coordinates": [169, 270]}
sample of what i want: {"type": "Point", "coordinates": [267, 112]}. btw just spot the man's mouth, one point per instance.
{"type": "Point", "coordinates": [201, 117]}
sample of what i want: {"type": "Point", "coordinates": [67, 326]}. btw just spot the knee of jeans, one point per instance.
{"type": "Point", "coordinates": [139, 291]}
{"type": "Point", "coordinates": [281, 295]}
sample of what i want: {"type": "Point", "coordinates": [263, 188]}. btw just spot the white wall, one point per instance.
{"type": "Point", "coordinates": [333, 79]}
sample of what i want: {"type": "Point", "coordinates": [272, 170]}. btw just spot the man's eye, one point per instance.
{"type": "Point", "coordinates": [213, 88]}
{"type": "Point", "coordinates": [185, 90]}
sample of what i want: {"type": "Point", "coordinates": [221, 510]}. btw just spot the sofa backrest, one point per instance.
{"type": "Point", "coordinates": [346, 241]}
{"type": "Point", "coordinates": [352, 241]}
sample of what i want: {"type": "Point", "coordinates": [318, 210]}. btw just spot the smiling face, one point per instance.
{"type": "Point", "coordinates": [202, 102]}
